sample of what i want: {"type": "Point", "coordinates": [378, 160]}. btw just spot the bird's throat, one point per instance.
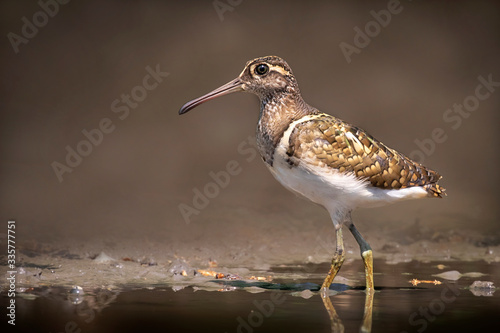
{"type": "Point", "coordinates": [277, 112]}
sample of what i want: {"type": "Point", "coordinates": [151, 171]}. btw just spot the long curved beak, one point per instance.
{"type": "Point", "coordinates": [230, 87]}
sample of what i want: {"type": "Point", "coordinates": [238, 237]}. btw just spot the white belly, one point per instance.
{"type": "Point", "coordinates": [330, 188]}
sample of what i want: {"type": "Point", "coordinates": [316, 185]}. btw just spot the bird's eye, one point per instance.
{"type": "Point", "coordinates": [262, 69]}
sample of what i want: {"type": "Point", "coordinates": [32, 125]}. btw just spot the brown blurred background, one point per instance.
{"type": "Point", "coordinates": [129, 188]}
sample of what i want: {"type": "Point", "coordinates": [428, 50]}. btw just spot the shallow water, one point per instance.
{"type": "Point", "coordinates": [280, 305]}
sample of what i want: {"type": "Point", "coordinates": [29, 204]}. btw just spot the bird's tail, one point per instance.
{"type": "Point", "coordinates": [435, 190]}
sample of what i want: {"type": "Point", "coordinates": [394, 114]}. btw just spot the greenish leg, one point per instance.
{"type": "Point", "coordinates": [366, 254]}
{"type": "Point", "coordinates": [337, 261]}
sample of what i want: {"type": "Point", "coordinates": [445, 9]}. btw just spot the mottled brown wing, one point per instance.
{"type": "Point", "coordinates": [329, 142]}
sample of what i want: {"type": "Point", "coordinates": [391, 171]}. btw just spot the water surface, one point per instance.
{"type": "Point", "coordinates": [283, 305]}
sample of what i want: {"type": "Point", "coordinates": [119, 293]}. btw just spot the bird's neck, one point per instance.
{"type": "Point", "coordinates": [277, 112]}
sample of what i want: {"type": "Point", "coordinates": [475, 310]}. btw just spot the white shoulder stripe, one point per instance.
{"type": "Point", "coordinates": [285, 139]}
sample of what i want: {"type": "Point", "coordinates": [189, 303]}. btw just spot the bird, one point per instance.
{"type": "Point", "coordinates": [323, 158]}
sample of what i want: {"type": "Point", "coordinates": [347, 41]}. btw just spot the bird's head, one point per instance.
{"type": "Point", "coordinates": [265, 77]}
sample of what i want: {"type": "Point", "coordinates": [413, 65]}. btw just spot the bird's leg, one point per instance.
{"type": "Point", "coordinates": [337, 261]}
{"type": "Point", "coordinates": [366, 254]}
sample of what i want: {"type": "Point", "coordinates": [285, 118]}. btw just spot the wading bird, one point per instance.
{"type": "Point", "coordinates": [323, 158]}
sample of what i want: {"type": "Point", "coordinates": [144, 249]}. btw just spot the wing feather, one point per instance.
{"type": "Point", "coordinates": [328, 142]}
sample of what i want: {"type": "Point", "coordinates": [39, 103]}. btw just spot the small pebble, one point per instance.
{"type": "Point", "coordinates": [482, 288]}
{"type": "Point", "coordinates": [103, 258]}
{"type": "Point", "coordinates": [76, 295]}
